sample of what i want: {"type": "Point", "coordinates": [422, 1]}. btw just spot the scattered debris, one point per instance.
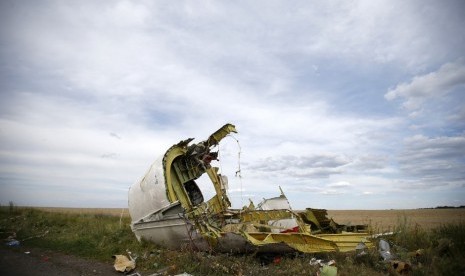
{"type": "Point", "coordinates": [164, 271]}
{"type": "Point", "coordinates": [332, 262]}
{"type": "Point", "coordinates": [123, 263]}
{"type": "Point", "coordinates": [385, 250]}
{"type": "Point", "coordinates": [382, 234]}
{"type": "Point", "coordinates": [37, 236]}
{"type": "Point", "coordinates": [415, 254]}
{"type": "Point", "coordinates": [315, 261]}
{"type": "Point", "coordinates": [360, 249]}
{"type": "Point", "coordinates": [277, 260]}
{"type": "Point", "coordinates": [321, 263]}
{"type": "Point", "coordinates": [400, 267]}
{"type": "Point", "coordinates": [13, 243]}
{"type": "Point", "coordinates": [327, 270]}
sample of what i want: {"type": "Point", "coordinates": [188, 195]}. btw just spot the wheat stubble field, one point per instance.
{"type": "Point", "coordinates": [388, 220]}
{"type": "Point", "coordinates": [379, 220]}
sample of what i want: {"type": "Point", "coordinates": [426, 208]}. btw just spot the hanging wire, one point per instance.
{"type": "Point", "coordinates": [238, 172]}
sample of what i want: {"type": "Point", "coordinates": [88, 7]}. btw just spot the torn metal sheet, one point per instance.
{"type": "Point", "coordinates": [168, 208]}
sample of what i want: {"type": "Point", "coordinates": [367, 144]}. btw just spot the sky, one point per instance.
{"type": "Point", "coordinates": [342, 104]}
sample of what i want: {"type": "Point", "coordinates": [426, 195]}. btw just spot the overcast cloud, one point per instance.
{"type": "Point", "coordinates": [345, 105]}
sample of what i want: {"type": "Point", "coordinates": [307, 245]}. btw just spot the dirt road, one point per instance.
{"type": "Point", "coordinates": [16, 261]}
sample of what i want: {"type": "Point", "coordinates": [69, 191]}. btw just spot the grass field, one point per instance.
{"type": "Point", "coordinates": [101, 233]}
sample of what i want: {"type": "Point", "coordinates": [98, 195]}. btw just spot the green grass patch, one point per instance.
{"type": "Point", "coordinates": [99, 236]}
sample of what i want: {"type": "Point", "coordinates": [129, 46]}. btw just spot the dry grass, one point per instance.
{"type": "Point", "coordinates": [388, 220]}
{"type": "Point", "coordinates": [92, 211]}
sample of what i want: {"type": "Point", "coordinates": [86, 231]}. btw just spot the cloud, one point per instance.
{"type": "Point", "coordinates": [371, 162]}
{"type": "Point", "coordinates": [329, 190]}
{"type": "Point", "coordinates": [430, 86]}
{"type": "Point", "coordinates": [433, 162]}
{"type": "Point", "coordinates": [311, 166]}
{"type": "Point", "coordinates": [110, 155]}
{"type": "Point", "coordinates": [340, 184]}
{"type": "Point", "coordinates": [332, 192]}
{"type": "Point", "coordinates": [115, 135]}
{"type": "Point", "coordinates": [312, 161]}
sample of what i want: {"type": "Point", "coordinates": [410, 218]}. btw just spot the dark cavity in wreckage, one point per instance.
{"type": "Point", "coordinates": [167, 207]}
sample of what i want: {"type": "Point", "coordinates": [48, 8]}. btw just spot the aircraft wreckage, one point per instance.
{"type": "Point", "coordinates": [167, 207]}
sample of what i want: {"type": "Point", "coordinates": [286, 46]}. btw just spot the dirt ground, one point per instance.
{"type": "Point", "coordinates": [16, 261]}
